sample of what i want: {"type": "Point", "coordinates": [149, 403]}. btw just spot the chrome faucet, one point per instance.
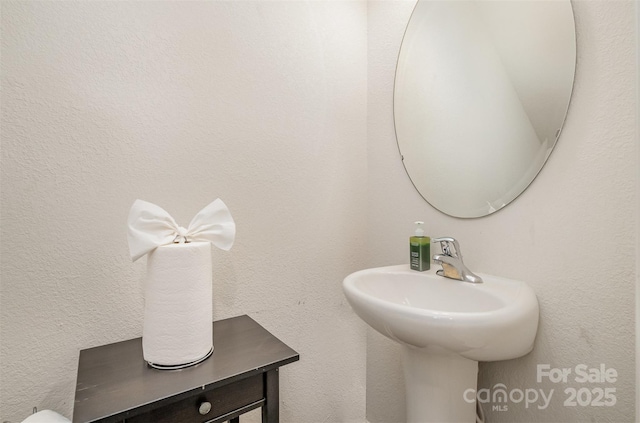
{"type": "Point", "coordinates": [451, 261]}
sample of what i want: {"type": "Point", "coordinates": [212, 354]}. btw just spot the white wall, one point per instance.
{"type": "Point", "coordinates": [269, 105]}
{"type": "Point", "coordinates": [571, 235]}
{"type": "Point", "coordinates": [638, 214]}
{"type": "Point", "coordinates": [259, 103]}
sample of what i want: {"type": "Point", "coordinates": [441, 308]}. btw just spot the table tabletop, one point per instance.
{"type": "Point", "coordinates": [114, 382]}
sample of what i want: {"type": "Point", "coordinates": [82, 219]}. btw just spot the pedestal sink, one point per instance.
{"type": "Point", "coordinates": [445, 327]}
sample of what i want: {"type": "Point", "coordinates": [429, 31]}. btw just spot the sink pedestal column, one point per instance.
{"type": "Point", "coordinates": [436, 381]}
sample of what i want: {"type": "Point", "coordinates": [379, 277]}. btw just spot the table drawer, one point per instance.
{"type": "Point", "coordinates": [223, 400]}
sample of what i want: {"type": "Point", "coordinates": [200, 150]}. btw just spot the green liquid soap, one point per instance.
{"type": "Point", "coordinates": [420, 250]}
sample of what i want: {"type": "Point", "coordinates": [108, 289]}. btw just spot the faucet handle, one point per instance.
{"type": "Point", "coordinates": [445, 245]}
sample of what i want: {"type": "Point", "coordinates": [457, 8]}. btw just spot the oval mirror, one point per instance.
{"type": "Point", "coordinates": [481, 92]}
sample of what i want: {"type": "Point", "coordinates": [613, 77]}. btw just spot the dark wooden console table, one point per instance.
{"type": "Point", "coordinates": [115, 384]}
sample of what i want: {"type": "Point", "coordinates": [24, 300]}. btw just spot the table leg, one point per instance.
{"type": "Point", "coordinates": [271, 408]}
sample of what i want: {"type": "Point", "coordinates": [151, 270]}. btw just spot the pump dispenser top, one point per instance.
{"type": "Point", "coordinates": [419, 230]}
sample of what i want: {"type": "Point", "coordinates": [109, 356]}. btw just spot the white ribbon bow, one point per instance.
{"type": "Point", "coordinates": [151, 226]}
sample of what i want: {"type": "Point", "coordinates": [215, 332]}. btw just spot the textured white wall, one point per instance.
{"type": "Point", "coordinates": [638, 214]}
{"type": "Point", "coordinates": [571, 235]}
{"type": "Point", "coordinates": [262, 104]}
{"type": "Point", "coordinates": [265, 105]}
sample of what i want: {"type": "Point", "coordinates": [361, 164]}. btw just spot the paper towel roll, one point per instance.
{"type": "Point", "coordinates": [178, 312]}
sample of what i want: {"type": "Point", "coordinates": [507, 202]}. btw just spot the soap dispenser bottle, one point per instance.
{"type": "Point", "coordinates": [420, 249]}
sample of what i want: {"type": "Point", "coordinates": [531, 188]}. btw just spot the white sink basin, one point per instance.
{"type": "Point", "coordinates": [489, 321]}
{"type": "Point", "coordinates": [446, 326]}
